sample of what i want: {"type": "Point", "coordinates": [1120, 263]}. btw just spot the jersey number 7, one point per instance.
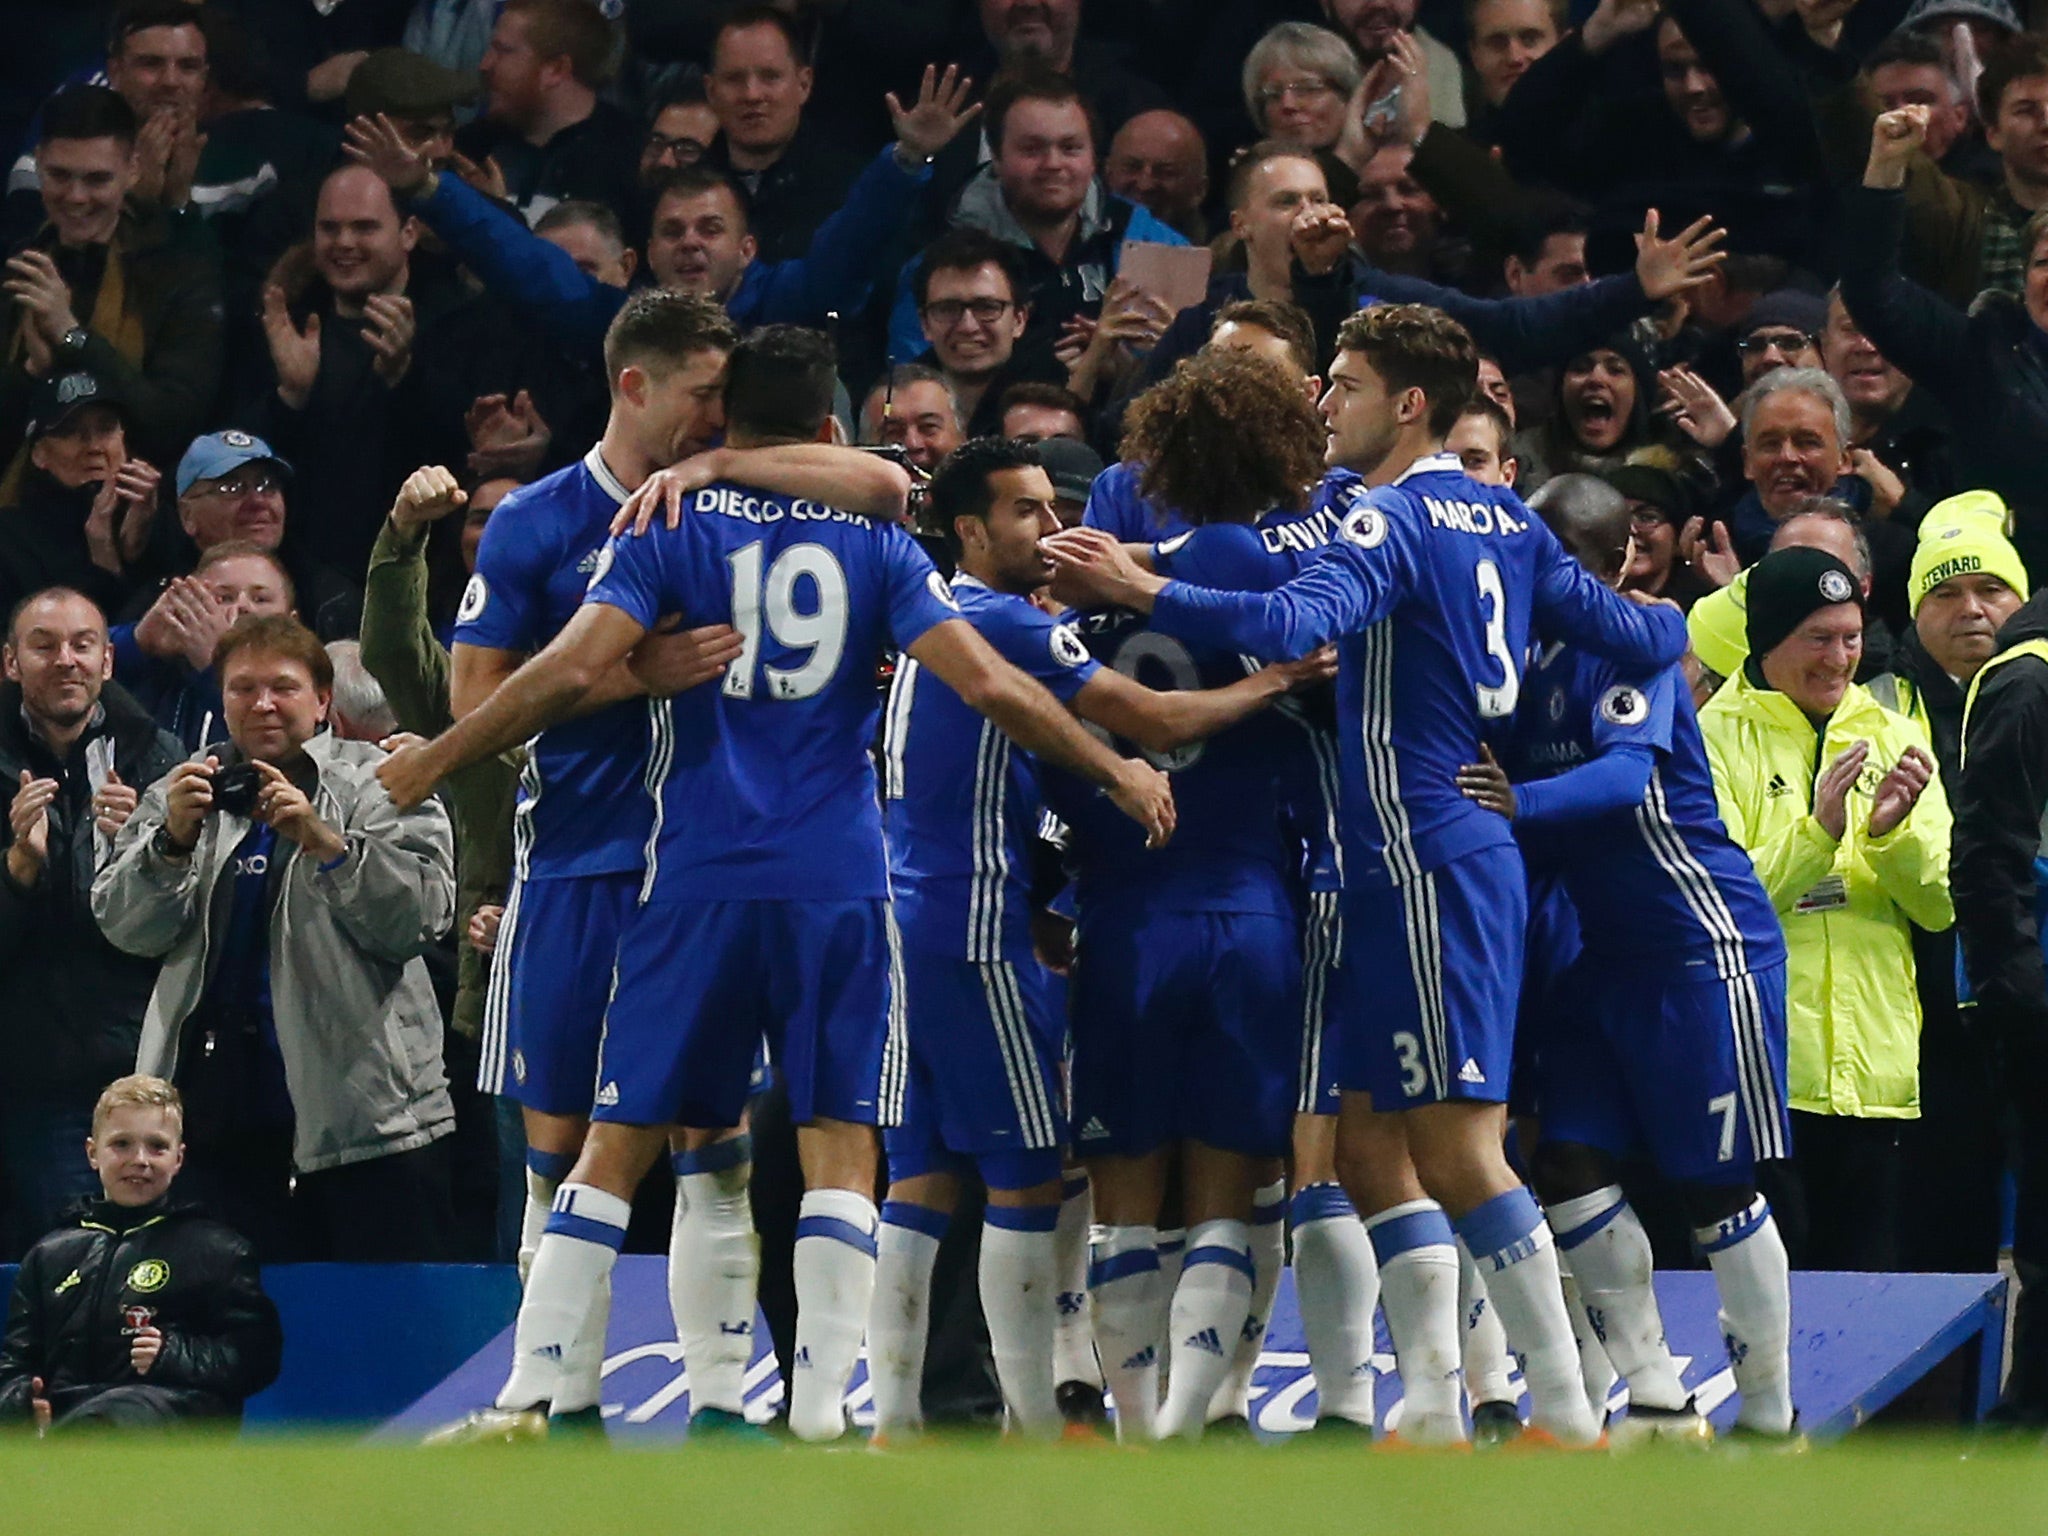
{"type": "Point", "coordinates": [821, 631]}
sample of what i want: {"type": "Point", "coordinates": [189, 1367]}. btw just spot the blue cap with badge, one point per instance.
{"type": "Point", "coordinates": [222, 453]}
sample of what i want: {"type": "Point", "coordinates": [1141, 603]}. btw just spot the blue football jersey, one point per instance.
{"type": "Point", "coordinates": [1660, 883]}
{"type": "Point", "coordinates": [1430, 589]}
{"type": "Point", "coordinates": [583, 806]}
{"type": "Point", "coordinates": [1309, 772]}
{"type": "Point", "coordinates": [1116, 506]}
{"type": "Point", "coordinates": [764, 786]}
{"type": "Point", "coordinates": [962, 802]}
{"type": "Point", "coordinates": [1234, 848]}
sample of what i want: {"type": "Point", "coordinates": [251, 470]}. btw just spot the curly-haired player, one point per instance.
{"type": "Point", "coordinates": [1432, 588]}
{"type": "Point", "coordinates": [1188, 977]}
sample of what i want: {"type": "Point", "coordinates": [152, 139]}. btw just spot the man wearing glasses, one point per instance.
{"type": "Point", "coordinates": [231, 506]}
{"type": "Point", "coordinates": [968, 289]}
{"type": "Point", "coordinates": [1782, 331]}
{"type": "Point", "coordinates": [682, 130]}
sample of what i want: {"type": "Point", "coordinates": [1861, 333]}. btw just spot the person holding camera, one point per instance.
{"type": "Point", "coordinates": [144, 1310]}
{"type": "Point", "coordinates": [291, 904]}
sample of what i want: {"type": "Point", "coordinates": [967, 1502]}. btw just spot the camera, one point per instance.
{"type": "Point", "coordinates": [235, 787]}
{"type": "Point", "coordinates": [920, 482]}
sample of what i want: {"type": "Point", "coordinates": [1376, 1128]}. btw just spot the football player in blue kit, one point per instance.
{"type": "Point", "coordinates": [1337, 1283]}
{"type": "Point", "coordinates": [979, 1083]}
{"type": "Point", "coordinates": [1675, 1045]}
{"type": "Point", "coordinates": [763, 908]}
{"type": "Point", "coordinates": [1187, 979]}
{"type": "Point", "coordinates": [1431, 591]}
{"type": "Point", "coordinates": [580, 830]}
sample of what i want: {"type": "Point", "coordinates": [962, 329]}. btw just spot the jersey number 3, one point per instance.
{"type": "Point", "coordinates": [819, 632]}
{"type": "Point", "coordinates": [1496, 703]}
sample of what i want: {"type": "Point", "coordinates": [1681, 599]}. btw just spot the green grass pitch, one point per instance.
{"type": "Point", "coordinates": [1875, 1485]}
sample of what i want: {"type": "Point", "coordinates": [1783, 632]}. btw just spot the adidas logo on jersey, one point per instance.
{"type": "Point", "coordinates": [1144, 1357]}
{"type": "Point", "coordinates": [1777, 787]}
{"type": "Point", "coordinates": [1254, 1329]}
{"type": "Point", "coordinates": [1070, 1303]}
{"type": "Point", "coordinates": [608, 1096]}
{"type": "Point", "coordinates": [802, 1362]}
{"type": "Point", "coordinates": [1468, 1073]}
{"type": "Point", "coordinates": [1207, 1341]}
{"type": "Point", "coordinates": [735, 1330]}
{"type": "Point", "coordinates": [1094, 1130]}
{"type": "Point", "coordinates": [549, 1352]}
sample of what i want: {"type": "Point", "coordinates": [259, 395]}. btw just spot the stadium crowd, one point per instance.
{"type": "Point", "coordinates": [296, 294]}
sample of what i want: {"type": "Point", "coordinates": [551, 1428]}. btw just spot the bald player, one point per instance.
{"type": "Point", "coordinates": [1674, 1048]}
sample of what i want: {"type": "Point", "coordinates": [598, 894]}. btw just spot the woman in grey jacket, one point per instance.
{"type": "Point", "coordinates": [290, 904]}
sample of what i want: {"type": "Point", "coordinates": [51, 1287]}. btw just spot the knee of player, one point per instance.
{"type": "Point", "coordinates": [938, 1192]}
{"type": "Point", "coordinates": [1708, 1205]}
{"type": "Point", "coordinates": [1564, 1171]}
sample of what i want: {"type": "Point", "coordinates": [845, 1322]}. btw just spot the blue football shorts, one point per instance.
{"type": "Point", "coordinates": [1436, 967]}
{"type": "Point", "coordinates": [551, 977]}
{"type": "Point", "coordinates": [702, 983]}
{"type": "Point", "coordinates": [1186, 1026]}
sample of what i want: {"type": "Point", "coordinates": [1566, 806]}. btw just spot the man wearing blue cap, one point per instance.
{"type": "Point", "coordinates": [231, 498]}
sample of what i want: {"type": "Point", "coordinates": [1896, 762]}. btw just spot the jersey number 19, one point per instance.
{"type": "Point", "coordinates": [821, 631]}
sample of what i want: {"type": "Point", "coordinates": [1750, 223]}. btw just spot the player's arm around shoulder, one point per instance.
{"type": "Point", "coordinates": [1577, 606]}
{"type": "Point", "coordinates": [850, 479]}
{"type": "Point", "coordinates": [1026, 711]}
{"type": "Point", "coordinates": [1161, 722]}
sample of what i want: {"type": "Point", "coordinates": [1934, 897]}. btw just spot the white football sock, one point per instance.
{"type": "Point", "coordinates": [574, 1258]}
{"type": "Point", "coordinates": [1129, 1299]}
{"type": "Point", "coordinates": [582, 1379]}
{"type": "Point", "coordinates": [1336, 1285]}
{"type": "Point", "coordinates": [1173, 1246]}
{"type": "Point", "coordinates": [1073, 1339]}
{"type": "Point", "coordinates": [1418, 1263]}
{"type": "Point", "coordinates": [1483, 1346]}
{"type": "Point", "coordinates": [1614, 1268]}
{"type": "Point", "coordinates": [1596, 1371]}
{"type": "Point", "coordinates": [834, 1266]}
{"type": "Point", "coordinates": [899, 1322]}
{"type": "Point", "coordinates": [1511, 1245]}
{"type": "Point", "coordinates": [1017, 1275]}
{"type": "Point", "coordinates": [1754, 1279]}
{"type": "Point", "coordinates": [1269, 1257]}
{"type": "Point", "coordinates": [545, 1172]}
{"type": "Point", "coordinates": [714, 1266]}
{"type": "Point", "coordinates": [1210, 1305]}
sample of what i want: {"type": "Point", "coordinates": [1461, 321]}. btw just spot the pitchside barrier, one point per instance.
{"type": "Point", "coordinates": [407, 1347]}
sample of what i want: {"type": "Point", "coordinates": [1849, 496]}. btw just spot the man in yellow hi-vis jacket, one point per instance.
{"type": "Point", "coordinates": [1840, 804]}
